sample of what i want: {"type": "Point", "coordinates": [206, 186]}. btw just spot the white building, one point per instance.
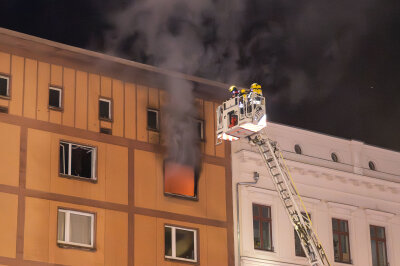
{"type": "Point", "coordinates": [360, 192]}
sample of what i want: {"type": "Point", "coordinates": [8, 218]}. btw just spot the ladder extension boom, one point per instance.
{"type": "Point", "coordinates": [288, 194]}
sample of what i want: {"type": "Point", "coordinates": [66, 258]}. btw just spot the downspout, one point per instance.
{"type": "Point", "coordinates": [256, 176]}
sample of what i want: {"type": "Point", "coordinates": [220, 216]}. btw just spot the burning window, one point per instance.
{"type": "Point", "coordinates": [4, 86]}
{"type": "Point", "coordinates": [55, 97]}
{"type": "Point", "coordinates": [77, 160]}
{"type": "Point", "coordinates": [180, 179]}
{"type": "Point", "coordinates": [105, 109]}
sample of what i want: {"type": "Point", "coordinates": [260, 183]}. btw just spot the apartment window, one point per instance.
{"type": "Point", "coordinates": [75, 228]}
{"type": "Point", "coordinates": [200, 129]}
{"type": "Point", "coordinates": [262, 227]}
{"type": "Point", "coordinates": [55, 95]}
{"type": "Point", "coordinates": [299, 251]}
{"type": "Point", "coordinates": [180, 243]}
{"type": "Point", "coordinates": [378, 245]}
{"type": "Point", "coordinates": [77, 160]}
{"type": "Point", "coordinates": [341, 242]}
{"type": "Point", "coordinates": [105, 109]}
{"type": "Point", "coordinates": [153, 120]}
{"type": "Point", "coordinates": [4, 86]}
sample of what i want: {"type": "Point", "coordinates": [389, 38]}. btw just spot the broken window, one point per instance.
{"type": "Point", "coordinates": [152, 120]}
{"type": "Point", "coordinates": [55, 97]}
{"type": "Point", "coordinates": [180, 243]}
{"type": "Point", "coordinates": [105, 109]}
{"type": "Point", "coordinates": [77, 160]}
{"type": "Point", "coordinates": [75, 228]}
{"type": "Point", "coordinates": [180, 180]}
{"type": "Point", "coordinates": [4, 86]}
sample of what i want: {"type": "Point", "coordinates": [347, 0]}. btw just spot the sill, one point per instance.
{"type": "Point", "coordinates": [181, 196]}
{"type": "Point", "coordinates": [153, 130]}
{"type": "Point", "coordinates": [182, 261]}
{"type": "Point", "coordinates": [59, 109]}
{"type": "Point", "coordinates": [5, 97]}
{"type": "Point", "coordinates": [90, 180]}
{"type": "Point", "coordinates": [72, 246]}
{"type": "Point", "coordinates": [345, 262]}
{"type": "Point", "coordinates": [267, 250]}
{"type": "Point", "coordinates": [106, 119]}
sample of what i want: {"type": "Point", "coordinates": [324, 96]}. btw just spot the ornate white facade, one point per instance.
{"type": "Point", "coordinates": [347, 189]}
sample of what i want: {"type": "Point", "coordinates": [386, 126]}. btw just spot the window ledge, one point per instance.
{"type": "Point", "coordinates": [59, 109]}
{"type": "Point", "coordinates": [5, 97]}
{"type": "Point", "coordinates": [105, 119]}
{"type": "Point", "coordinates": [72, 246]}
{"type": "Point", "coordinates": [182, 261]}
{"type": "Point", "coordinates": [90, 180]}
{"type": "Point", "coordinates": [153, 130]}
{"type": "Point", "coordinates": [181, 196]}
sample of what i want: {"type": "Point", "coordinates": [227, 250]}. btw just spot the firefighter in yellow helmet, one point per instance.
{"type": "Point", "coordinates": [234, 91]}
{"type": "Point", "coordinates": [256, 88]}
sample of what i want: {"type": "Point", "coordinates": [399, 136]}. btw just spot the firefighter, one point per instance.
{"type": "Point", "coordinates": [234, 91]}
{"type": "Point", "coordinates": [256, 88]}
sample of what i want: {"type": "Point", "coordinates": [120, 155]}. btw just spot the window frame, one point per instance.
{"type": "Point", "coordinates": [8, 78]}
{"type": "Point", "coordinates": [110, 111]}
{"type": "Point", "coordinates": [69, 244]}
{"type": "Point", "coordinates": [157, 111]}
{"type": "Point", "coordinates": [377, 239]}
{"type": "Point", "coordinates": [339, 233]}
{"type": "Point", "coordinates": [202, 135]}
{"type": "Point", "coordinates": [196, 245]}
{"type": "Point", "coordinates": [60, 108]}
{"type": "Point", "coordinates": [262, 219]}
{"type": "Point", "coordinates": [92, 179]}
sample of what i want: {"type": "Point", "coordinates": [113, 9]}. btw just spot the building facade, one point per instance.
{"type": "Point", "coordinates": [81, 163]}
{"type": "Point", "coordinates": [350, 189]}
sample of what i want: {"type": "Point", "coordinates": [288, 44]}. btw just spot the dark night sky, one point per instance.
{"type": "Point", "coordinates": [327, 66]}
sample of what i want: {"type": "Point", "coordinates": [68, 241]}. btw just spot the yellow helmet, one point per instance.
{"type": "Point", "coordinates": [255, 86]}
{"type": "Point", "coordinates": [232, 88]}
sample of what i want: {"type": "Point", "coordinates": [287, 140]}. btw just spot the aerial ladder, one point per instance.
{"type": "Point", "coordinates": [244, 116]}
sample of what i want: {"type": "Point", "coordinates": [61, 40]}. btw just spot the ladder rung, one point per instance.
{"type": "Point", "coordinates": [283, 190]}
{"type": "Point", "coordinates": [280, 182]}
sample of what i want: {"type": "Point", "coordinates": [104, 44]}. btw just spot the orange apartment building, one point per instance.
{"type": "Point", "coordinates": [81, 163]}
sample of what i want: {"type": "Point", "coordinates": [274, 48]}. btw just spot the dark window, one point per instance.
{"type": "Point", "coordinates": [334, 157]}
{"type": "Point", "coordinates": [152, 120]}
{"type": "Point", "coordinates": [107, 131]}
{"type": "Point", "coordinates": [55, 97]}
{"type": "Point", "coordinates": [371, 165]}
{"type": "Point", "coordinates": [77, 160]}
{"type": "Point", "coordinates": [378, 245]}
{"type": "Point", "coordinates": [262, 226]}
{"type": "Point", "coordinates": [105, 109]}
{"type": "Point", "coordinates": [180, 243]}
{"type": "Point", "coordinates": [297, 149]}
{"type": "Point", "coordinates": [200, 129]}
{"type": "Point", "coordinates": [298, 248]}
{"type": "Point", "coordinates": [4, 91]}
{"type": "Point", "coordinates": [341, 242]}
{"type": "Point", "coordinates": [3, 109]}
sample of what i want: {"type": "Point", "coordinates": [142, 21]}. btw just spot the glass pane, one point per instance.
{"type": "Point", "coordinates": [54, 98]}
{"type": "Point", "coordinates": [61, 226]}
{"type": "Point", "coordinates": [343, 226]}
{"type": "Point", "coordinates": [382, 254]}
{"type": "Point", "coordinates": [152, 120]}
{"type": "Point", "coordinates": [255, 210]}
{"type": "Point", "coordinates": [168, 241]}
{"type": "Point", "coordinates": [64, 151]}
{"type": "Point", "coordinates": [3, 87]}
{"type": "Point", "coordinates": [335, 225]}
{"type": "Point", "coordinates": [266, 212]}
{"type": "Point", "coordinates": [380, 231]}
{"type": "Point", "coordinates": [297, 245]}
{"type": "Point", "coordinates": [373, 252]}
{"type": "Point", "coordinates": [267, 241]}
{"type": "Point", "coordinates": [344, 242]}
{"type": "Point", "coordinates": [257, 237]}
{"type": "Point", "coordinates": [184, 244]}
{"type": "Point", "coordinates": [80, 229]}
{"type": "Point", "coordinates": [372, 230]}
{"type": "Point", "coordinates": [104, 109]}
{"type": "Point", "coordinates": [336, 247]}
{"type": "Point", "coordinates": [81, 164]}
